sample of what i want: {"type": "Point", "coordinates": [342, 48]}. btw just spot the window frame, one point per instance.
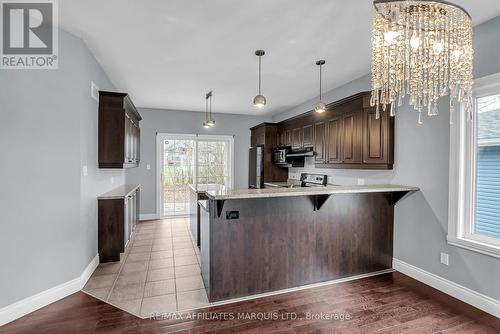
{"type": "Point", "coordinates": [160, 137]}
{"type": "Point", "coordinates": [462, 182]}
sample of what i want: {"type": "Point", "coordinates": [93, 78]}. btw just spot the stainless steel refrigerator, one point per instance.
{"type": "Point", "coordinates": [256, 168]}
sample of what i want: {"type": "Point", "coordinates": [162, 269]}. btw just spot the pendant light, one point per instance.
{"type": "Point", "coordinates": [205, 124]}
{"type": "Point", "coordinates": [260, 100]}
{"type": "Point", "coordinates": [210, 120]}
{"type": "Point", "coordinates": [421, 49]}
{"type": "Point", "coordinates": [320, 107]}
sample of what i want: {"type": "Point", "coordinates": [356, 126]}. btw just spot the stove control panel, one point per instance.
{"type": "Point", "coordinates": [313, 179]}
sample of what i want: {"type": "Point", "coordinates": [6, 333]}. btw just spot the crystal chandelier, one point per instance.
{"type": "Point", "coordinates": [422, 49]}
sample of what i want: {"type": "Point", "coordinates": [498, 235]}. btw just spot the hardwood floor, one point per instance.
{"type": "Point", "coordinates": [390, 303]}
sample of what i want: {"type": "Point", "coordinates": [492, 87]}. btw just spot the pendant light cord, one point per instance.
{"type": "Point", "coordinates": [260, 73]}
{"type": "Point", "coordinates": [320, 80]}
{"type": "Point", "coordinates": [210, 104]}
{"type": "Point", "coordinates": [206, 109]}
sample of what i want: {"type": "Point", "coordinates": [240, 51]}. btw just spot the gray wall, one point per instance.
{"type": "Point", "coordinates": [48, 130]}
{"type": "Point", "coordinates": [421, 159]}
{"type": "Point", "coordinates": [188, 122]}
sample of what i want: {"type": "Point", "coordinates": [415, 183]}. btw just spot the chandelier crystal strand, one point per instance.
{"type": "Point", "coordinates": [421, 50]}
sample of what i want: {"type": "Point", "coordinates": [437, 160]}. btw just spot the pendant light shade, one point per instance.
{"type": "Point", "coordinates": [260, 100]}
{"type": "Point", "coordinates": [421, 49]}
{"type": "Point", "coordinates": [320, 106]}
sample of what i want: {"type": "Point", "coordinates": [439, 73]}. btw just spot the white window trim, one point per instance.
{"type": "Point", "coordinates": [160, 137]}
{"type": "Point", "coordinates": [462, 174]}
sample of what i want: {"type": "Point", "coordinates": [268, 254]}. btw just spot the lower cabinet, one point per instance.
{"type": "Point", "coordinates": [118, 215]}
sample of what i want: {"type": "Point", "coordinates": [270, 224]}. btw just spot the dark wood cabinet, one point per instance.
{"type": "Point", "coordinates": [319, 142]}
{"type": "Point", "coordinates": [297, 137]}
{"type": "Point", "coordinates": [266, 134]}
{"type": "Point", "coordinates": [352, 129]}
{"type": "Point", "coordinates": [288, 137]}
{"type": "Point", "coordinates": [377, 138]}
{"type": "Point", "coordinates": [346, 136]}
{"type": "Point", "coordinates": [119, 131]}
{"type": "Point", "coordinates": [334, 142]}
{"type": "Point", "coordinates": [307, 135]}
{"type": "Point", "coordinates": [118, 215]}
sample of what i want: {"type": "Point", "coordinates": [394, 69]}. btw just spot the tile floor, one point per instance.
{"type": "Point", "coordinates": [159, 271]}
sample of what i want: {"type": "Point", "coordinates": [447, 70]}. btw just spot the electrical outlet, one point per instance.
{"type": "Point", "coordinates": [445, 259]}
{"type": "Point", "coordinates": [85, 171]}
{"type": "Point", "coordinates": [361, 182]}
{"type": "Point", "coordinates": [148, 166]}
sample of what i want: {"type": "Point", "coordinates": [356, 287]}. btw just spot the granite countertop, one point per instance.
{"type": "Point", "coordinates": [202, 188]}
{"type": "Point", "coordinates": [120, 192]}
{"type": "Point", "coordinates": [203, 204]}
{"type": "Point", "coordinates": [289, 183]}
{"type": "Point", "coordinates": [224, 194]}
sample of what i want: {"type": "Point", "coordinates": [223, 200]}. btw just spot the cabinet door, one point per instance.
{"type": "Point", "coordinates": [307, 135]}
{"type": "Point", "coordinates": [297, 137]}
{"type": "Point", "coordinates": [258, 138]}
{"type": "Point", "coordinates": [352, 137]}
{"type": "Point", "coordinates": [319, 142]}
{"type": "Point", "coordinates": [126, 219]}
{"type": "Point", "coordinates": [129, 140]}
{"type": "Point", "coordinates": [375, 137]}
{"type": "Point", "coordinates": [288, 137]}
{"type": "Point", "coordinates": [138, 144]}
{"type": "Point", "coordinates": [126, 138]}
{"type": "Point", "coordinates": [334, 144]}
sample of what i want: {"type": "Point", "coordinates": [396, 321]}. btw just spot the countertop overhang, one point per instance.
{"type": "Point", "coordinates": [120, 192]}
{"type": "Point", "coordinates": [228, 194]}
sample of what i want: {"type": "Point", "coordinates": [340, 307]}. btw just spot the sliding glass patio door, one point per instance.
{"type": "Point", "coordinates": [185, 160]}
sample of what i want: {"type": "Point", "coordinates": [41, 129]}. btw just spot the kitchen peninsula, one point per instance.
{"type": "Point", "coordinates": [262, 240]}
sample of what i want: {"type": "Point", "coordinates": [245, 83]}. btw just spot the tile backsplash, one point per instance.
{"type": "Point", "coordinates": [344, 176]}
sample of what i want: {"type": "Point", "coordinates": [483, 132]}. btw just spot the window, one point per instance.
{"type": "Point", "coordinates": [185, 160]}
{"type": "Point", "coordinates": [474, 207]}
{"type": "Point", "coordinates": [212, 162]}
{"type": "Point", "coordinates": [487, 200]}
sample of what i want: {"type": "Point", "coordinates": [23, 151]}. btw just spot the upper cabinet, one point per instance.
{"type": "Point", "coordinates": [119, 131]}
{"type": "Point", "coordinates": [319, 142]}
{"type": "Point", "coordinates": [378, 138]}
{"type": "Point", "coordinates": [347, 136]}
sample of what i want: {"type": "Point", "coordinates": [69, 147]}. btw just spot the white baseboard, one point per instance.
{"type": "Point", "coordinates": [474, 298]}
{"type": "Point", "coordinates": [21, 308]}
{"type": "Point", "coordinates": [148, 216]}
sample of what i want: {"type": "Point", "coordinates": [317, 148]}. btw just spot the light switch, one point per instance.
{"type": "Point", "coordinates": [85, 171]}
{"type": "Point", "coordinates": [148, 166]}
{"type": "Point", "coordinates": [445, 259]}
{"type": "Point", "coordinates": [112, 180]}
{"type": "Point", "coordinates": [94, 91]}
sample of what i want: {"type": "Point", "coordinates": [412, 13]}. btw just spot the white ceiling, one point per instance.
{"type": "Point", "coordinates": [167, 54]}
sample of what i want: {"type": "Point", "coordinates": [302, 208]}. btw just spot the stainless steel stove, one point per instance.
{"type": "Point", "coordinates": [313, 180]}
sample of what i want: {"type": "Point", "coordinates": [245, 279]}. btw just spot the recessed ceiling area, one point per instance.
{"type": "Point", "coordinates": [168, 54]}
